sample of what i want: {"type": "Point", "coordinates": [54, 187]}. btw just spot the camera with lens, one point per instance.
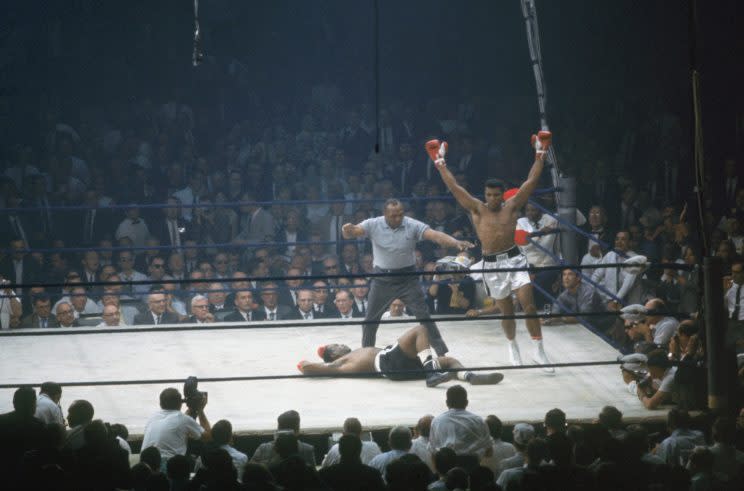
{"type": "Point", "coordinates": [453, 264]}
{"type": "Point", "coordinates": [194, 398]}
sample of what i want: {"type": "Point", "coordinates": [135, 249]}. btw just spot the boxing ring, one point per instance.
{"type": "Point", "coordinates": [525, 394]}
{"type": "Point", "coordinates": [250, 371]}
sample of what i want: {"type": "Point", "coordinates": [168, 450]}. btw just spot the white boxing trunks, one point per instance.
{"type": "Point", "coordinates": [500, 285]}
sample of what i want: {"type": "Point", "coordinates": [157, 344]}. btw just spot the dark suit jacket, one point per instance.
{"type": "Point", "coordinates": [235, 316]}
{"type": "Point", "coordinates": [159, 228]}
{"type": "Point", "coordinates": [7, 232]}
{"type": "Point", "coordinates": [72, 226]}
{"type": "Point", "coordinates": [355, 309]}
{"type": "Point", "coordinates": [145, 319]}
{"type": "Point", "coordinates": [283, 312]}
{"type": "Point", "coordinates": [281, 236]}
{"type": "Point", "coordinates": [32, 321]}
{"type": "Point", "coordinates": [329, 311]}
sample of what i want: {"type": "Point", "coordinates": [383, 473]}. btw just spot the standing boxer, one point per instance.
{"type": "Point", "coordinates": [495, 222]}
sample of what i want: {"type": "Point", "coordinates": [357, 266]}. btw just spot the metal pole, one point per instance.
{"type": "Point", "coordinates": [567, 211]}
{"type": "Point", "coordinates": [715, 335]}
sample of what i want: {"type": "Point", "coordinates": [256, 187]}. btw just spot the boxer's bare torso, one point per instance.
{"type": "Point", "coordinates": [495, 227]}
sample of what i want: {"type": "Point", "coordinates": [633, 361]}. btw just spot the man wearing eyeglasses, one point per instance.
{"type": "Point", "coordinates": [66, 315]}
{"type": "Point", "coordinates": [200, 313]}
{"type": "Point", "coordinates": [157, 312]}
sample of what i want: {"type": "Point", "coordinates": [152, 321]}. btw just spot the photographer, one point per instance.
{"type": "Point", "coordinates": [452, 290]}
{"type": "Point", "coordinates": [170, 429]}
{"type": "Point", "coordinates": [656, 386]}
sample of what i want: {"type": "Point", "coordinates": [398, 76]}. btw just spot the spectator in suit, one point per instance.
{"type": "Point", "coordinates": [125, 260]}
{"type": "Point", "coordinates": [629, 212]}
{"type": "Point", "coordinates": [18, 267]}
{"type": "Point", "coordinates": [256, 224]}
{"type": "Point", "coordinates": [42, 315]}
{"type": "Point", "coordinates": [170, 228]}
{"type": "Point", "coordinates": [729, 186]}
{"type": "Point", "coordinates": [176, 266]}
{"type": "Point", "coordinates": [156, 270]}
{"type": "Point", "coordinates": [359, 291]}
{"type": "Point", "coordinates": [190, 194]}
{"type": "Point", "coordinates": [65, 314]}
{"type": "Point", "coordinates": [288, 291]}
{"type": "Point", "coordinates": [200, 313]}
{"type": "Point", "coordinates": [217, 296]}
{"type": "Point", "coordinates": [304, 308]}
{"type": "Point", "coordinates": [156, 312]}
{"type": "Point", "coordinates": [597, 227]}
{"type": "Point", "coordinates": [272, 309]}
{"type": "Point", "coordinates": [90, 263]}
{"type": "Point", "coordinates": [343, 302]}
{"type": "Point", "coordinates": [329, 225]}
{"type": "Point", "coordinates": [349, 263]}
{"type": "Point", "coordinates": [290, 233]}
{"type": "Point", "coordinates": [244, 308]}
{"type": "Point", "coordinates": [321, 306]}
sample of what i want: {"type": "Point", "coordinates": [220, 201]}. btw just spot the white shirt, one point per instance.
{"type": "Point", "coordinates": [731, 301]}
{"type": "Point", "coordinates": [137, 232]}
{"type": "Point", "coordinates": [370, 450]}
{"type": "Point", "coordinates": [91, 307]}
{"type": "Point", "coordinates": [421, 448]}
{"type": "Point", "coordinates": [462, 431]}
{"type": "Point", "coordinates": [679, 445]}
{"type": "Point", "coordinates": [625, 285]}
{"type": "Point", "coordinates": [384, 459]}
{"type": "Point", "coordinates": [169, 431]}
{"type": "Point", "coordinates": [501, 450]}
{"type": "Point", "coordinates": [48, 411]}
{"type": "Point", "coordinates": [535, 255]}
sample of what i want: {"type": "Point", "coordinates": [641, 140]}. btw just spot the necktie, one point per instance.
{"type": "Point", "coordinates": [735, 313]}
{"type": "Point", "coordinates": [43, 323]}
{"type": "Point", "coordinates": [157, 319]}
{"type": "Point", "coordinates": [272, 316]}
{"type": "Point", "coordinates": [307, 316]}
{"type": "Point", "coordinates": [364, 306]}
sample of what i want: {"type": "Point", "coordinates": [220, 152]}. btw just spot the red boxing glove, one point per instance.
{"type": "Point", "coordinates": [520, 237]}
{"type": "Point", "coordinates": [321, 351]}
{"type": "Point", "coordinates": [300, 365]}
{"type": "Point", "coordinates": [436, 150]}
{"type": "Point", "coordinates": [541, 142]}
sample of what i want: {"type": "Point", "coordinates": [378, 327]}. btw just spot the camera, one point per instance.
{"type": "Point", "coordinates": [453, 264]}
{"type": "Point", "coordinates": [194, 398]}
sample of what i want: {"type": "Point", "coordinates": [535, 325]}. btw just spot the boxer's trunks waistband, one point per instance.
{"type": "Point", "coordinates": [499, 256]}
{"type": "Point", "coordinates": [407, 269]}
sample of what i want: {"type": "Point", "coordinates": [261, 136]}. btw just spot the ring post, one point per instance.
{"type": "Point", "coordinates": [566, 198]}
{"type": "Point", "coordinates": [715, 335]}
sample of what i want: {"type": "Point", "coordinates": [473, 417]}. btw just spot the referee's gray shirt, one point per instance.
{"type": "Point", "coordinates": [394, 248]}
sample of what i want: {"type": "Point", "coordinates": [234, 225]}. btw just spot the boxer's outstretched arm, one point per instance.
{"type": "Point", "coordinates": [464, 199]}
{"type": "Point", "coordinates": [528, 186]}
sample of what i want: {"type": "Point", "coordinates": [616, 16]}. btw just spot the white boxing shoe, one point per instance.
{"type": "Point", "coordinates": [514, 357]}
{"type": "Point", "coordinates": [541, 358]}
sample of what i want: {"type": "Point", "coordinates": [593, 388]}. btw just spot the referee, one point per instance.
{"type": "Point", "coordinates": [394, 237]}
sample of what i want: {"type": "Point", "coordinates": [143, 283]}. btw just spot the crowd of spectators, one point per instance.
{"type": "Point", "coordinates": [455, 450]}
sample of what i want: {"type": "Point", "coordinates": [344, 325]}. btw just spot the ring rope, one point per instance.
{"type": "Point", "coordinates": [265, 279]}
{"type": "Point", "coordinates": [248, 378]}
{"type": "Point", "coordinates": [293, 324]}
